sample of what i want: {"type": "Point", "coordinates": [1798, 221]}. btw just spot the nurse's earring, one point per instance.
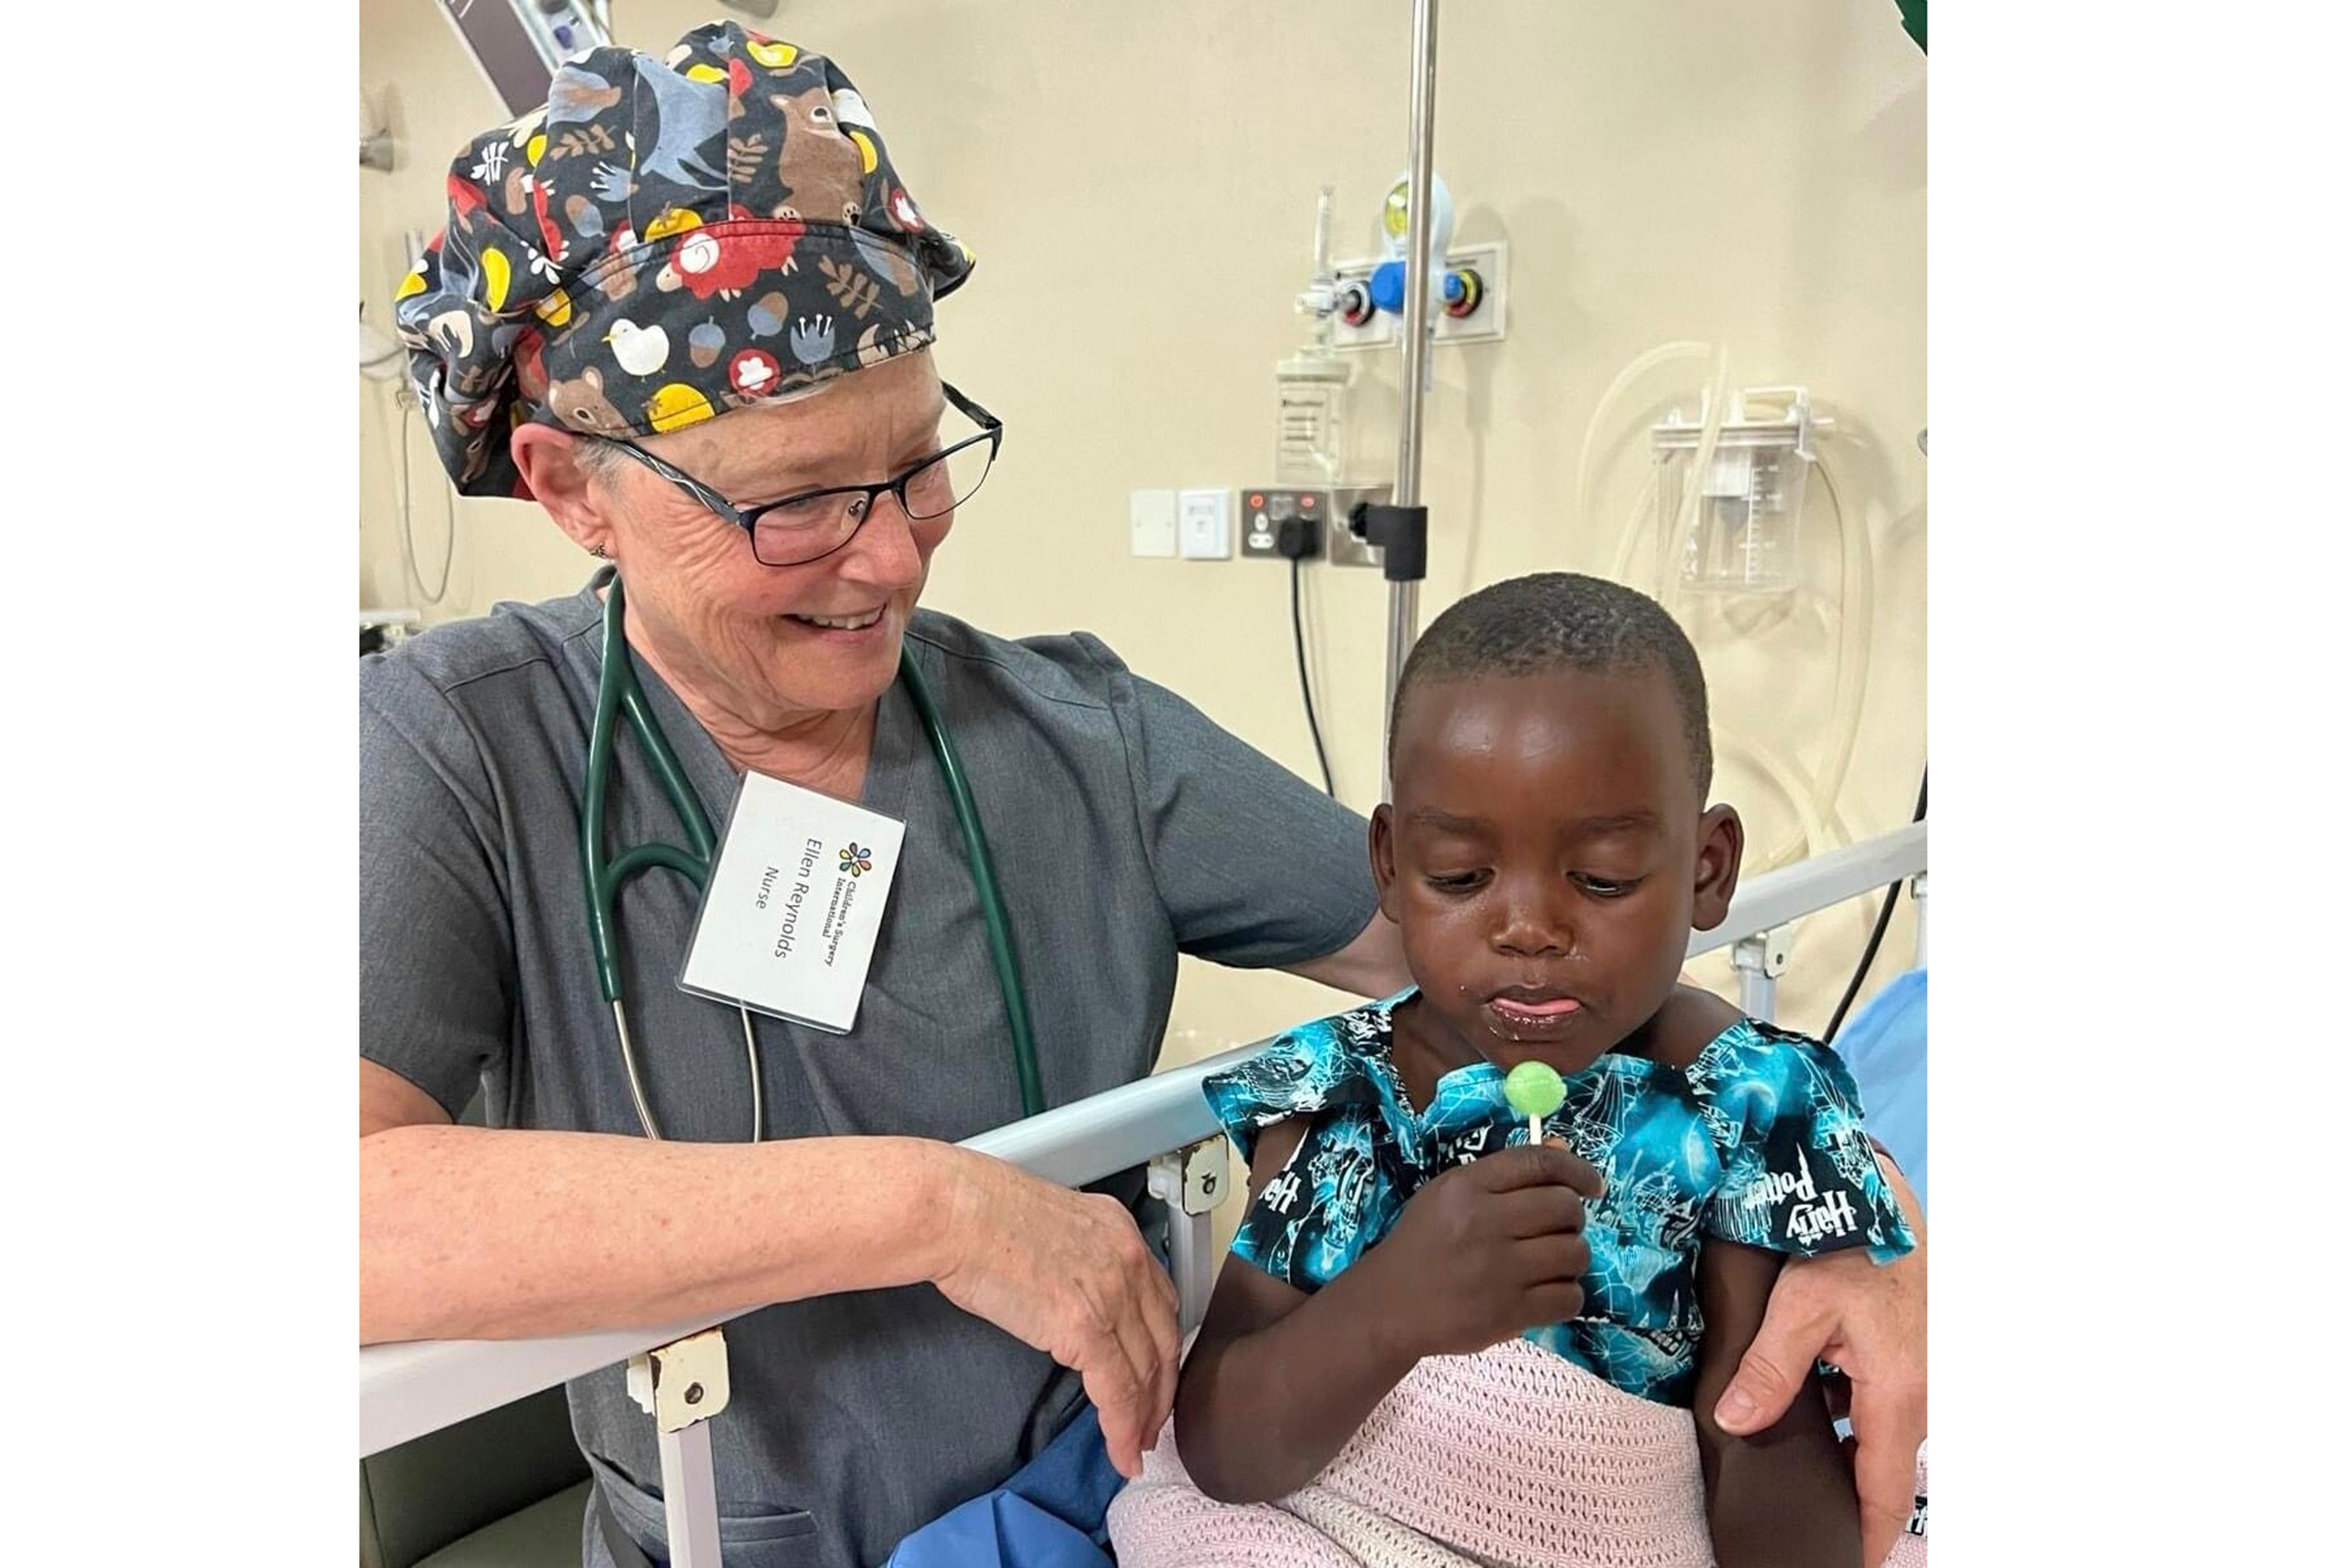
{"type": "Point", "coordinates": [599, 552]}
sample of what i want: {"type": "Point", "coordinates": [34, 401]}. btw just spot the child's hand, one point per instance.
{"type": "Point", "coordinates": [1488, 1250]}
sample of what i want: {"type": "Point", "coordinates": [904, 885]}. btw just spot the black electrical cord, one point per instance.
{"type": "Point", "coordinates": [1877, 932]}
{"type": "Point", "coordinates": [1306, 692]}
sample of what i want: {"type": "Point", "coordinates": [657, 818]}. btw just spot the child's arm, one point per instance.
{"type": "Point", "coordinates": [1784, 1496]}
{"type": "Point", "coordinates": [1280, 1380]}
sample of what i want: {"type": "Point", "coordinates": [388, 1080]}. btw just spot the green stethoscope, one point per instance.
{"type": "Point", "coordinates": [618, 694]}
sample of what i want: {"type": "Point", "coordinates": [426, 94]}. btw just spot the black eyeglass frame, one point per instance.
{"type": "Point", "coordinates": [992, 431]}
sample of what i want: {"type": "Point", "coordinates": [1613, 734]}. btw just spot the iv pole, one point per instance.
{"type": "Point", "coordinates": [1402, 528]}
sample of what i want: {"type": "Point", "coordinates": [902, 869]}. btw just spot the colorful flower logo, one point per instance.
{"type": "Point", "coordinates": [857, 861]}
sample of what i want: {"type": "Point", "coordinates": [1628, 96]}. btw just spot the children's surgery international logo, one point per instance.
{"type": "Point", "coordinates": [854, 860]}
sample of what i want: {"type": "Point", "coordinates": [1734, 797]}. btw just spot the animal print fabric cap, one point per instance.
{"type": "Point", "coordinates": [666, 239]}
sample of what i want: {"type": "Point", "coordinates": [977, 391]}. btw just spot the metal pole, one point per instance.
{"type": "Point", "coordinates": [689, 1497]}
{"type": "Point", "coordinates": [1759, 961]}
{"type": "Point", "coordinates": [1192, 1182]}
{"type": "Point", "coordinates": [1919, 913]}
{"type": "Point", "coordinates": [682, 1386]}
{"type": "Point", "coordinates": [1404, 598]}
{"type": "Point", "coordinates": [1193, 1265]}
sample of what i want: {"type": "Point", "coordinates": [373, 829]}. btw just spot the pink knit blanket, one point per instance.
{"type": "Point", "coordinates": [1509, 1458]}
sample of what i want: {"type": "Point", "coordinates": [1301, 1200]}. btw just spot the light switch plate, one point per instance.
{"type": "Point", "coordinates": [1204, 524]}
{"type": "Point", "coordinates": [1151, 521]}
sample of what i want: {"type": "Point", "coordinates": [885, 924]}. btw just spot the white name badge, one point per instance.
{"type": "Point", "coordinates": [788, 922]}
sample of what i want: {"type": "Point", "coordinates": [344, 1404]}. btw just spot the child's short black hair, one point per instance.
{"type": "Point", "coordinates": [1563, 620]}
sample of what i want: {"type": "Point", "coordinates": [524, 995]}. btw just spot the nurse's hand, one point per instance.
{"type": "Point", "coordinates": [1871, 1323]}
{"type": "Point", "coordinates": [1068, 1273]}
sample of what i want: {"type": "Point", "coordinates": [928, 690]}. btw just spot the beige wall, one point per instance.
{"type": "Point", "coordinates": [1139, 183]}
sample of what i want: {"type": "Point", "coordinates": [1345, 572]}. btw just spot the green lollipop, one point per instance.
{"type": "Point", "coordinates": [1535, 1091]}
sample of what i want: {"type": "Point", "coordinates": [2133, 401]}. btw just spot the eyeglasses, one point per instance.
{"type": "Point", "coordinates": [814, 523]}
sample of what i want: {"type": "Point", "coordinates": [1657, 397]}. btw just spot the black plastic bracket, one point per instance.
{"type": "Point", "coordinates": [1401, 535]}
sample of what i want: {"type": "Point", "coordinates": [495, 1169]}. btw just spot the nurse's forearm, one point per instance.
{"type": "Point", "coordinates": [1371, 964]}
{"type": "Point", "coordinates": [473, 1233]}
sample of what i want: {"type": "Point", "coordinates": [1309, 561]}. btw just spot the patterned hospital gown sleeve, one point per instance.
{"type": "Point", "coordinates": [1798, 1175]}
{"type": "Point", "coordinates": [1339, 1191]}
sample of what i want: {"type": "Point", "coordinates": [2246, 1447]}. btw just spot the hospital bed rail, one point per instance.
{"type": "Point", "coordinates": [1161, 1121]}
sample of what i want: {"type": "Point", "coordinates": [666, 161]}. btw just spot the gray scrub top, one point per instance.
{"type": "Point", "coordinates": [1126, 828]}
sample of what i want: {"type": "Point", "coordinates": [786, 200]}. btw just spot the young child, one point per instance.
{"type": "Point", "coordinates": [1436, 1346]}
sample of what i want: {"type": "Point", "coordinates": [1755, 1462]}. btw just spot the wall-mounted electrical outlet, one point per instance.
{"type": "Point", "coordinates": [1204, 524]}
{"type": "Point", "coordinates": [1264, 509]}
